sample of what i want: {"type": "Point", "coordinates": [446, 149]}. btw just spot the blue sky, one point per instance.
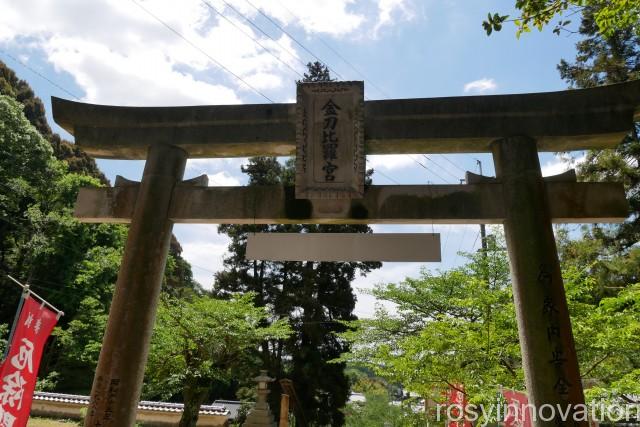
{"type": "Point", "coordinates": [115, 52]}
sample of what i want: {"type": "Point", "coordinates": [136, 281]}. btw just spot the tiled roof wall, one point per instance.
{"type": "Point", "coordinates": [144, 405]}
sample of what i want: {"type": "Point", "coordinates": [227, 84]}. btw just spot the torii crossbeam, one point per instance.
{"type": "Point", "coordinates": [512, 127]}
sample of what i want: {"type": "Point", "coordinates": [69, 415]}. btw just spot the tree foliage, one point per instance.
{"type": "Point", "coordinates": [458, 327]}
{"type": "Point", "coordinates": [453, 327]}
{"type": "Point", "coordinates": [607, 334]}
{"type": "Point", "coordinates": [178, 277]}
{"type": "Point", "coordinates": [315, 297]}
{"type": "Point", "coordinates": [73, 265]}
{"type": "Point", "coordinates": [4, 331]}
{"type": "Point", "coordinates": [603, 266]}
{"type": "Point", "coordinates": [317, 72]}
{"type": "Point", "coordinates": [202, 340]}
{"type": "Point", "coordinates": [602, 61]}
{"type": "Point", "coordinates": [76, 159]}
{"type": "Point", "coordinates": [609, 15]}
{"type": "Point", "coordinates": [69, 263]}
{"type": "Point", "coordinates": [441, 334]}
{"type": "Point", "coordinates": [376, 410]}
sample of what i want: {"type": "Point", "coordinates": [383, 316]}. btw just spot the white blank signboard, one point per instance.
{"type": "Point", "coordinates": [391, 247]}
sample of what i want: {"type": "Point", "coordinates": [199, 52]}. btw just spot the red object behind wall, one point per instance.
{"type": "Point", "coordinates": [19, 371]}
{"type": "Point", "coordinates": [518, 413]}
{"type": "Point", "coordinates": [458, 401]}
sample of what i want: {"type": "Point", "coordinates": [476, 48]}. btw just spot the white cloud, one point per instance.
{"type": "Point", "coordinates": [389, 161]}
{"type": "Point", "coordinates": [388, 10]}
{"type": "Point", "coordinates": [143, 78]}
{"type": "Point", "coordinates": [332, 17]}
{"type": "Point", "coordinates": [264, 80]}
{"type": "Point", "coordinates": [204, 249]}
{"type": "Point", "coordinates": [560, 164]}
{"type": "Point", "coordinates": [118, 53]}
{"type": "Point", "coordinates": [227, 163]}
{"type": "Point", "coordinates": [481, 86]}
{"type": "Point", "coordinates": [223, 179]}
{"type": "Point", "coordinates": [221, 172]}
{"type": "Point", "coordinates": [391, 272]}
{"type": "Point", "coordinates": [205, 259]}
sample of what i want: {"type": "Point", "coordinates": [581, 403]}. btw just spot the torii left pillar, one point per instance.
{"type": "Point", "coordinates": [120, 372]}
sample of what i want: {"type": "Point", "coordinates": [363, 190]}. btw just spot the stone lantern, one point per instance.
{"type": "Point", "coordinates": [260, 415]}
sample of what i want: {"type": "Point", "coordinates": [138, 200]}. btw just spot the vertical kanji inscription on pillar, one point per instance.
{"type": "Point", "coordinates": [330, 162]}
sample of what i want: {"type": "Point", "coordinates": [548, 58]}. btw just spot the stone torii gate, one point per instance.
{"type": "Point", "coordinates": [514, 128]}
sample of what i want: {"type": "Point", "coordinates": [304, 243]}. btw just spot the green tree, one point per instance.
{"type": "Point", "coordinates": [4, 334]}
{"type": "Point", "coordinates": [77, 160]}
{"type": "Point", "coordinates": [603, 292]}
{"type": "Point", "coordinates": [603, 266]}
{"type": "Point", "coordinates": [40, 241]}
{"type": "Point", "coordinates": [454, 327]}
{"type": "Point", "coordinates": [72, 265]}
{"type": "Point", "coordinates": [317, 72]}
{"type": "Point", "coordinates": [376, 410]}
{"type": "Point", "coordinates": [607, 333]}
{"type": "Point", "coordinates": [200, 341]}
{"type": "Point", "coordinates": [27, 170]}
{"type": "Point", "coordinates": [610, 15]}
{"type": "Point", "coordinates": [79, 346]}
{"type": "Point", "coordinates": [602, 61]}
{"type": "Point", "coordinates": [178, 277]}
{"type": "Point", "coordinates": [315, 297]}
{"type": "Point", "coordinates": [459, 326]}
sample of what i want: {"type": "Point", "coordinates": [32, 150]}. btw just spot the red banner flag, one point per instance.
{"type": "Point", "coordinates": [19, 370]}
{"type": "Point", "coordinates": [458, 403]}
{"type": "Point", "coordinates": [518, 411]}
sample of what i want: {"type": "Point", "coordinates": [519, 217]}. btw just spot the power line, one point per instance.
{"type": "Point", "coordinates": [203, 268]}
{"type": "Point", "coordinates": [241, 79]}
{"type": "Point", "coordinates": [475, 241]}
{"type": "Point", "coordinates": [384, 175]}
{"type": "Point", "coordinates": [331, 69]}
{"type": "Point", "coordinates": [453, 164]}
{"type": "Point", "coordinates": [387, 176]}
{"type": "Point", "coordinates": [427, 169]}
{"type": "Point", "coordinates": [464, 232]}
{"type": "Point", "coordinates": [251, 37]}
{"type": "Point", "coordinates": [293, 38]}
{"type": "Point", "coordinates": [40, 74]}
{"type": "Point", "coordinates": [211, 58]}
{"type": "Point", "coordinates": [422, 165]}
{"type": "Point", "coordinates": [307, 50]}
{"type": "Point", "coordinates": [353, 67]}
{"type": "Point", "coordinates": [288, 34]}
{"type": "Point", "coordinates": [446, 239]}
{"type": "Point", "coordinates": [335, 72]}
{"type": "Point", "coordinates": [445, 170]}
{"type": "Point", "coordinates": [375, 86]}
{"type": "Point", "coordinates": [279, 59]}
{"type": "Point", "coordinates": [293, 55]}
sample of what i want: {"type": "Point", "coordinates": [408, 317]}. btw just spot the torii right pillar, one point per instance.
{"type": "Point", "coordinates": [549, 356]}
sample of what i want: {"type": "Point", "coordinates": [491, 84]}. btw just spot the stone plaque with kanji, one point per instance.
{"type": "Point", "coordinates": [330, 161]}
